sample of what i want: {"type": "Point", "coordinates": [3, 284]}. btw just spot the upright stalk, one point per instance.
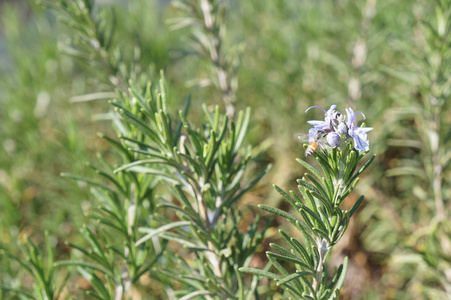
{"type": "Point", "coordinates": [434, 139]}
{"type": "Point", "coordinates": [208, 45]}
{"type": "Point", "coordinates": [322, 248]}
{"type": "Point", "coordinates": [228, 96]}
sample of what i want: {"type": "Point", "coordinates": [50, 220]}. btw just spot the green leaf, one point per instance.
{"type": "Point", "coordinates": [83, 264]}
{"type": "Point", "coordinates": [142, 147]}
{"type": "Point", "coordinates": [118, 146]}
{"type": "Point", "coordinates": [210, 150]}
{"type": "Point", "coordinates": [258, 272]}
{"type": "Point", "coordinates": [196, 140]}
{"type": "Point", "coordinates": [322, 233]}
{"type": "Point", "coordinates": [21, 262]}
{"type": "Point", "coordinates": [182, 241]}
{"type": "Point", "coordinates": [195, 278]}
{"type": "Point", "coordinates": [292, 259]}
{"type": "Point", "coordinates": [307, 234]}
{"type": "Point", "coordinates": [287, 197]}
{"type": "Point", "coordinates": [339, 278]}
{"type": "Point", "coordinates": [166, 130]}
{"type": "Point", "coordinates": [155, 260]}
{"type": "Point", "coordinates": [96, 283]}
{"type": "Point", "coordinates": [298, 247]}
{"type": "Point", "coordinates": [139, 124]}
{"type": "Point", "coordinates": [309, 167]}
{"type": "Point", "coordinates": [279, 212]}
{"type": "Point", "coordinates": [87, 180]}
{"type": "Point", "coordinates": [308, 198]}
{"type": "Point", "coordinates": [295, 288]}
{"type": "Point", "coordinates": [356, 206]}
{"type": "Point", "coordinates": [347, 191]}
{"type": "Point", "coordinates": [366, 165]}
{"type": "Point", "coordinates": [251, 290]}
{"type": "Point", "coordinates": [243, 191]}
{"type": "Point", "coordinates": [307, 185]}
{"type": "Point", "coordinates": [318, 185]}
{"type": "Point", "coordinates": [277, 265]}
{"type": "Point", "coordinates": [309, 221]}
{"type": "Point", "coordinates": [155, 172]}
{"type": "Point", "coordinates": [196, 294]}
{"type": "Point", "coordinates": [210, 116]}
{"type": "Point", "coordinates": [318, 222]}
{"type": "Point", "coordinates": [242, 129]}
{"type": "Point", "coordinates": [153, 232]}
{"type": "Point", "coordinates": [325, 165]}
{"type": "Point", "coordinates": [294, 276]}
{"type": "Point", "coordinates": [326, 203]}
{"type": "Point", "coordinates": [50, 259]}
{"type": "Point", "coordinates": [143, 161]}
{"type": "Point", "coordinates": [191, 214]}
{"type": "Point", "coordinates": [16, 291]}
{"type": "Point", "coordinates": [179, 127]}
{"type": "Point", "coordinates": [113, 180]}
{"type": "Point", "coordinates": [282, 250]}
{"type": "Point", "coordinates": [344, 224]}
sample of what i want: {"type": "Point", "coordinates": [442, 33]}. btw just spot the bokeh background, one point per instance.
{"type": "Point", "coordinates": [385, 58]}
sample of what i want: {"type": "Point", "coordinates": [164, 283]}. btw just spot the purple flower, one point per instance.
{"type": "Point", "coordinates": [337, 128]}
{"type": "Point", "coordinates": [361, 142]}
{"type": "Point", "coordinates": [325, 125]}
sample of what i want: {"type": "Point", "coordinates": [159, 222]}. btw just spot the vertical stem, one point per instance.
{"type": "Point", "coordinates": [215, 57]}
{"type": "Point", "coordinates": [434, 139]}
{"type": "Point", "coordinates": [360, 52]}
{"type": "Point", "coordinates": [125, 283]}
{"type": "Point", "coordinates": [322, 249]}
{"type": "Point", "coordinates": [437, 187]}
{"type": "Point", "coordinates": [212, 255]}
{"type": "Point", "coordinates": [203, 211]}
{"type": "Point", "coordinates": [319, 274]}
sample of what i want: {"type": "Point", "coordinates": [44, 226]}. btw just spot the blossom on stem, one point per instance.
{"type": "Point", "coordinates": [341, 128]}
{"type": "Point", "coordinates": [361, 142]}
{"type": "Point", "coordinates": [338, 128]}
{"type": "Point", "coordinates": [333, 139]}
{"type": "Point", "coordinates": [325, 125]}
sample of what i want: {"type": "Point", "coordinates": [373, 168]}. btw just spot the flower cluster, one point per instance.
{"type": "Point", "coordinates": [337, 128]}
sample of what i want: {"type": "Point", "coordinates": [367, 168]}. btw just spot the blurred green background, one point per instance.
{"type": "Point", "coordinates": [371, 55]}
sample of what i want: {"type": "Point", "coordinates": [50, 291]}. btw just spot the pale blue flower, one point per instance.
{"type": "Point", "coordinates": [361, 142]}
{"type": "Point", "coordinates": [337, 127]}
{"type": "Point", "coordinates": [326, 125]}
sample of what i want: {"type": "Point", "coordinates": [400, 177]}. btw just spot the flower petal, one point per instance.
{"type": "Point", "coordinates": [316, 107]}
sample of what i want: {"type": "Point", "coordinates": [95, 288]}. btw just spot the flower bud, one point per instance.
{"type": "Point", "coordinates": [341, 129]}
{"type": "Point", "coordinates": [333, 139]}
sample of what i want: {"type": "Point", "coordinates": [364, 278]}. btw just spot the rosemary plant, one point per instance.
{"type": "Point", "coordinates": [338, 146]}
{"type": "Point", "coordinates": [203, 176]}
{"type": "Point", "coordinates": [204, 172]}
{"type": "Point", "coordinates": [174, 183]}
{"type": "Point", "coordinates": [40, 269]}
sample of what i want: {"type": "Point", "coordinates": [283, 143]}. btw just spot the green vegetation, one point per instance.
{"type": "Point", "coordinates": [194, 100]}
